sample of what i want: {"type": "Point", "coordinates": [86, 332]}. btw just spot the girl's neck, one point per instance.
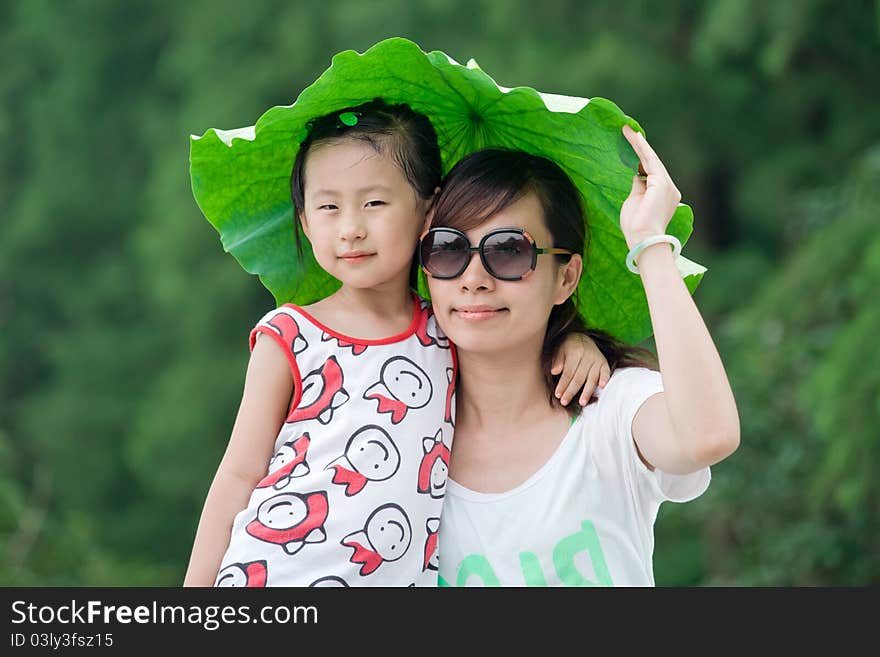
{"type": "Point", "coordinates": [497, 395]}
{"type": "Point", "coordinates": [389, 300]}
{"type": "Point", "coordinates": [367, 314]}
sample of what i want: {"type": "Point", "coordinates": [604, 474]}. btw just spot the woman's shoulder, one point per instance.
{"type": "Point", "coordinates": [627, 377]}
{"type": "Point", "coordinates": [629, 385]}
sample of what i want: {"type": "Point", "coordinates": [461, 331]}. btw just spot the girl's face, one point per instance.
{"type": "Point", "coordinates": [361, 215]}
{"type": "Point", "coordinates": [480, 313]}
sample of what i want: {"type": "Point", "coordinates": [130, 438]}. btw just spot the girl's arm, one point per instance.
{"type": "Point", "coordinates": [267, 392]}
{"type": "Point", "coordinates": [694, 423]}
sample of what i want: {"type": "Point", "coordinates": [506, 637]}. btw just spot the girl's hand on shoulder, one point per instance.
{"type": "Point", "coordinates": [581, 367]}
{"type": "Point", "coordinates": [653, 198]}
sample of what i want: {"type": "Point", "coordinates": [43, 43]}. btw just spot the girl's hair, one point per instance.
{"type": "Point", "coordinates": [488, 181]}
{"type": "Point", "coordinates": [395, 131]}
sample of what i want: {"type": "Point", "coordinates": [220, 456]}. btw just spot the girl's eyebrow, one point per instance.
{"type": "Point", "coordinates": [362, 190]}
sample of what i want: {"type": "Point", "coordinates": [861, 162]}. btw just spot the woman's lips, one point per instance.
{"type": "Point", "coordinates": [477, 313]}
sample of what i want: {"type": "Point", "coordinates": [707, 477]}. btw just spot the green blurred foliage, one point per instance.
{"type": "Point", "coordinates": [123, 325]}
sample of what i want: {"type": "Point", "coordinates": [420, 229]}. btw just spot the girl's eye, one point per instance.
{"type": "Point", "coordinates": [374, 204]}
{"type": "Point", "coordinates": [327, 206]}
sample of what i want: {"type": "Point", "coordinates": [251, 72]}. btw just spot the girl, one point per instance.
{"type": "Point", "coordinates": [356, 431]}
{"type": "Point", "coordinates": [537, 494]}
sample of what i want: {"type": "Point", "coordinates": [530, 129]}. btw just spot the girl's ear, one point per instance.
{"type": "Point", "coordinates": [569, 278]}
{"type": "Point", "coordinates": [304, 224]}
{"type": "Point", "coordinates": [429, 217]}
{"type": "Point", "coordinates": [429, 209]}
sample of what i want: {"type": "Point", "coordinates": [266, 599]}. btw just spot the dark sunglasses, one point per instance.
{"type": "Point", "coordinates": [508, 254]}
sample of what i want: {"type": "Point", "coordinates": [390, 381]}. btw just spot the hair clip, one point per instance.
{"type": "Point", "coordinates": [349, 118]}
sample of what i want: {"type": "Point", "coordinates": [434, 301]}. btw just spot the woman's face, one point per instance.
{"type": "Point", "coordinates": [481, 314]}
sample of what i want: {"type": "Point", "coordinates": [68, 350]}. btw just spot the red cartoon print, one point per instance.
{"type": "Point", "coordinates": [285, 325]}
{"type": "Point", "coordinates": [386, 537]}
{"type": "Point", "coordinates": [322, 394]}
{"type": "Point", "coordinates": [434, 468]}
{"type": "Point", "coordinates": [370, 455]}
{"type": "Point", "coordinates": [252, 575]}
{"type": "Point", "coordinates": [356, 349]}
{"type": "Point", "coordinates": [402, 385]}
{"type": "Point", "coordinates": [429, 333]}
{"type": "Point", "coordinates": [431, 561]}
{"type": "Point", "coordinates": [289, 461]}
{"type": "Point", "coordinates": [291, 520]}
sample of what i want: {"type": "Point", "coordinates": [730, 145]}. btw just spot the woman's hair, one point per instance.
{"type": "Point", "coordinates": [488, 181]}
{"type": "Point", "coordinates": [395, 131]}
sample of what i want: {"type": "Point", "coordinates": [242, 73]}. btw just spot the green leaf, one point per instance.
{"type": "Point", "coordinates": [241, 178]}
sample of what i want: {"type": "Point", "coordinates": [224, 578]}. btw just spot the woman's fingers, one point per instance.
{"type": "Point", "coordinates": [649, 161]}
{"type": "Point", "coordinates": [639, 186]}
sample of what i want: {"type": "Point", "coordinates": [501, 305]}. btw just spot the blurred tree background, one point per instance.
{"type": "Point", "coordinates": [123, 325]}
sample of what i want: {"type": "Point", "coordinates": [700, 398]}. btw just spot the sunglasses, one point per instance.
{"type": "Point", "coordinates": [508, 254]}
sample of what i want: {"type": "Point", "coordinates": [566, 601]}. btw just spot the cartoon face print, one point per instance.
{"type": "Point", "coordinates": [356, 349]}
{"type": "Point", "coordinates": [434, 467]}
{"type": "Point", "coordinates": [252, 574]}
{"type": "Point", "coordinates": [431, 560]}
{"type": "Point", "coordinates": [285, 325]}
{"type": "Point", "coordinates": [370, 455]}
{"type": "Point", "coordinates": [291, 520]}
{"type": "Point", "coordinates": [322, 394]}
{"type": "Point", "coordinates": [389, 532]}
{"type": "Point", "coordinates": [407, 382]}
{"type": "Point", "coordinates": [385, 537]}
{"type": "Point", "coordinates": [329, 581]}
{"type": "Point", "coordinates": [289, 461]}
{"type": "Point", "coordinates": [402, 385]}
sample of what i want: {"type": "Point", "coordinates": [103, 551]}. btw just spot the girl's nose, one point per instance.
{"type": "Point", "coordinates": [352, 227]}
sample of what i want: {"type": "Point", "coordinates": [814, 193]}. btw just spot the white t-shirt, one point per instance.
{"type": "Point", "coordinates": [585, 518]}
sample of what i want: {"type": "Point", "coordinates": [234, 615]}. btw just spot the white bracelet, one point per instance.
{"type": "Point", "coordinates": [644, 244]}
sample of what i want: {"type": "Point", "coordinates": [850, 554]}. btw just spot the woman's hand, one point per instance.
{"type": "Point", "coordinates": [580, 364]}
{"type": "Point", "coordinates": [652, 201]}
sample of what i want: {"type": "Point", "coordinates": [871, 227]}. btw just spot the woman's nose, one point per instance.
{"type": "Point", "coordinates": [475, 276]}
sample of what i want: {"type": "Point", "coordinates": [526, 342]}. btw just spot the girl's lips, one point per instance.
{"type": "Point", "coordinates": [352, 258]}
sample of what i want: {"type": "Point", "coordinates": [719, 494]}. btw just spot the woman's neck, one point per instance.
{"type": "Point", "coordinates": [497, 393]}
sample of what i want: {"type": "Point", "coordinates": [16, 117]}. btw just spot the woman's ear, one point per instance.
{"type": "Point", "coordinates": [570, 276]}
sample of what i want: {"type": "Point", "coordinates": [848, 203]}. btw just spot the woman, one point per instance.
{"type": "Point", "coordinates": [539, 494]}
